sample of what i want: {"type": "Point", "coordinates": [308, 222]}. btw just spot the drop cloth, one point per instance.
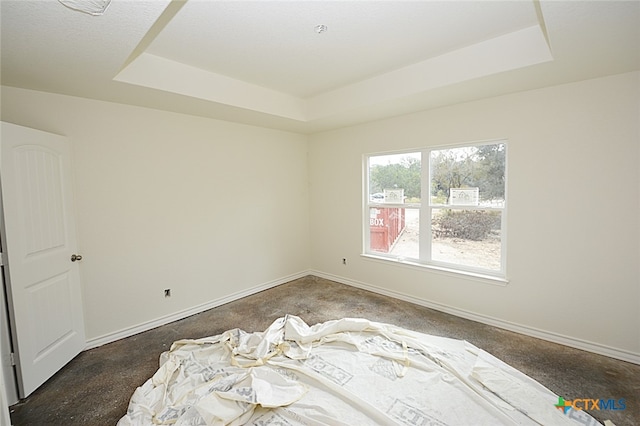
{"type": "Point", "coordinates": [342, 372]}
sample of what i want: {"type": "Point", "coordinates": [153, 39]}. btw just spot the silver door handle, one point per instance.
{"type": "Point", "coordinates": [75, 257]}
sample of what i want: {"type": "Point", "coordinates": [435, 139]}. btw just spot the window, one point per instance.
{"type": "Point", "coordinates": [440, 207]}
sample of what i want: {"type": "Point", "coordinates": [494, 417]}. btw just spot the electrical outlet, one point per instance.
{"type": "Point", "coordinates": [344, 260]}
{"type": "Point", "coordinates": [167, 292]}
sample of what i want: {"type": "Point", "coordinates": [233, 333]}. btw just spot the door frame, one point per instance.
{"type": "Point", "coordinates": [8, 380]}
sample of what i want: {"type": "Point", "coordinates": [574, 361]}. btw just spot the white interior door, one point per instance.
{"type": "Point", "coordinates": [44, 284]}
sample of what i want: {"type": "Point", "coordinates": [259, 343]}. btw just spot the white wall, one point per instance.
{"type": "Point", "coordinates": [573, 212]}
{"type": "Point", "coordinates": [164, 200]}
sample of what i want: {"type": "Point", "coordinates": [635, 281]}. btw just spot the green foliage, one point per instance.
{"type": "Point", "coordinates": [439, 198]}
{"type": "Point", "coordinates": [404, 175]}
{"type": "Point", "coordinates": [491, 168]}
{"type": "Point", "coordinates": [466, 224]}
{"type": "Point", "coordinates": [482, 166]}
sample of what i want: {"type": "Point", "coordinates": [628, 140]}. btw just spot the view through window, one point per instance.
{"type": "Point", "coordinates": [443, 207]}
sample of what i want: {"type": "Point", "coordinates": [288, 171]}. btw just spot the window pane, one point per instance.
{"type": "Point", "coordinates": [407, 244]}
{"type": "Point", "coordinates": [395, 178]}
{"type": "Point", "coordinates": [394, 230]}
{"type": "Point", "coordinates": [467, 237]}
{"type": "Point", "coordinates": [469, 176]}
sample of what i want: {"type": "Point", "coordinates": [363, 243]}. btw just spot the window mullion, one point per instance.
{"type": "Point", "coordinates": [366, 209]}
{"type": "Point", "coordinates": [425, 210]}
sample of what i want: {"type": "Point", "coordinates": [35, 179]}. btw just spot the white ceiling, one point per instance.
{"type": "Point", "coordinates": [263, 63]}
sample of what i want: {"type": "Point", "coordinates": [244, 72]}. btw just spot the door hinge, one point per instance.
{"type": "Point", "coordinates": [12, 358]}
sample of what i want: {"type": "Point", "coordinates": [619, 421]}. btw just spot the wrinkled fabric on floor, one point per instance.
{"type": "Point", "coordinates": [342, 372]}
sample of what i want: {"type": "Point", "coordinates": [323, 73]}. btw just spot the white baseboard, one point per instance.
{"type": "Point", "coordinates": [148, 325]}
{"type": "Point", "coordinates": [518, 328]}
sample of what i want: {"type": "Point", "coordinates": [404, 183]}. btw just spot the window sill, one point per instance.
{"type": "Point", "coordinates": [474, 276]}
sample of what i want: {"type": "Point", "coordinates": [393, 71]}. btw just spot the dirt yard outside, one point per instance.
{"type": "Point", "coordinates": [483, 254]}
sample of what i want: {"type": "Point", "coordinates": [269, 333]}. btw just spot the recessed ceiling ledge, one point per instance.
{"type": "Point", "coordinates": [510, 51]}
{"type": "Point", "coordinates": [164, 74]}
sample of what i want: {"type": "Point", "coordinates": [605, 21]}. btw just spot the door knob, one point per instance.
{"type": "Point", "coordinates": [75, 257]}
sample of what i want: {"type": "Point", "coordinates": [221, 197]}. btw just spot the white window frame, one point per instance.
{"type": "Point", "coordinates": [425, 208]}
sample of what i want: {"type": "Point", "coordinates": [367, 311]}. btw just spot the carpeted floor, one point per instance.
{"type": "Point", "coordinates": [95, 387]}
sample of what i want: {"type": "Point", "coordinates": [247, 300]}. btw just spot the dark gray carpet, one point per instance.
{"type": "Point", "coordinates": [95, 387]}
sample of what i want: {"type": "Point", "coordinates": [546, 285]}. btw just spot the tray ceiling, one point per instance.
{"type": "Point", "coordinates": [265, 63]}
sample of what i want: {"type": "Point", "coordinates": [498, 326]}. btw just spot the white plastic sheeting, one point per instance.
{"type": "Point", "coordinates": [343, 372]}
{"type": "Point", "coordinates": [92, 7]}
